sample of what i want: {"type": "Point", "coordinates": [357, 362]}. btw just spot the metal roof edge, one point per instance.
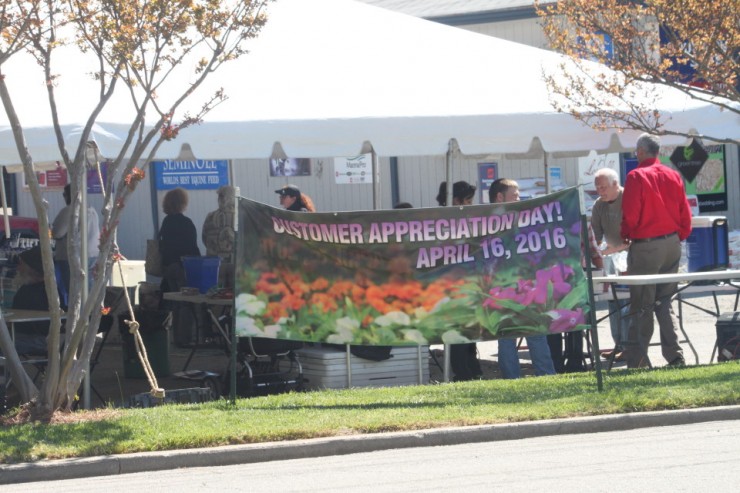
{"type": "Point", "coordinates": [483, 17]}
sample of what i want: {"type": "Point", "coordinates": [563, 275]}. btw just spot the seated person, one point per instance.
{"type": "Point", "coordinates": [30, 337]}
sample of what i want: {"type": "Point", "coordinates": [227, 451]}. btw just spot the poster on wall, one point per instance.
{"type": "Point", "coordinates": [290, 167]}
{"type": "Point", "coordinates": [353, 170]}
{"type": "Point", "coordinates": [487, 174]}
{"type": "Point", "coordinates": [705, 178]}
{"type": "Point", "coordinates": [57, 179]}
{"type": "Point", "coordinates": [411, 276]}
{"type": "Point", "coordinates": [96, 181]}
{"type": "Point", "coordinates": [52, 179]}
{"type": "Point", "coordinates": [199, 174]}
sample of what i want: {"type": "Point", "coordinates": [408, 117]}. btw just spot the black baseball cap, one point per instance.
{"type": "Point", "coordinates": [32, 258]}
{"type": "Point", "coordinates": [462, 190]}
{"type": "Point", "coordinates": [288, 190]}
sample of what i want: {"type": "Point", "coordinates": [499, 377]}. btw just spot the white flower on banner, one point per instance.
{"type": "Point", "coordinates": [454, 337]}
{"type": "Point", "coordinates": [398, 318]}
{"type": "Point", "coordinates": [250, 304]}
{"type": "Point", "coordinates": [272, 331]}
{"type": "Point", "coordinates": [415, 335]}
{"type": "Point", "coordinates": [246, 327]}
{"type": "Point", "coordinates": [346, 328]}
{"type": "Point", "coordinates": [439, 304]}
{"type": "Point", "coordinates": [420, 313]}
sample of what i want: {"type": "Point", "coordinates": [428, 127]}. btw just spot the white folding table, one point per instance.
{"type": "Point", "coordinates": [694, 283]}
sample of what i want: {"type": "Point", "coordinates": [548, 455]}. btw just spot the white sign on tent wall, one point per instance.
{"type": "Point", "coordinates": [587, 166]}
{"type": "Point", "coordinates": [353, 170]}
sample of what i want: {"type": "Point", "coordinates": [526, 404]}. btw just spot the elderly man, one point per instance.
{"type": "Point", "coordinates": [655, 217]}
{"type": "Point", "coordinates": [606, 220]}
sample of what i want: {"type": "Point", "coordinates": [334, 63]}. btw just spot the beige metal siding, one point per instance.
{"type": "Point", "coordinates": [253, 178]}
{"type": "Point", "coordinates": [525, 31]}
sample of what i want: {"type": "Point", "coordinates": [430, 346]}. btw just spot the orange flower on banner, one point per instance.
{"type": "Point", "coordinates": [294, 302]}
{"type": "Point", "coordinates": [319, 284]}
{"type": "Point", "coordinates": [276, 310]}
{"type": "Point", "coordinates": [375, 297]}
{"type": "Point", "coordinates": [324, 301]}
{"type": "Point", "coordinates": [340, 289]}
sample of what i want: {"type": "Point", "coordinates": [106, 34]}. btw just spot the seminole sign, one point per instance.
{"type": "Point", "coordinates": [411, 276]}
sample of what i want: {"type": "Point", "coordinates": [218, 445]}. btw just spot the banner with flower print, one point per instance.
{"type": "Point", "coordinates": [411, 276]}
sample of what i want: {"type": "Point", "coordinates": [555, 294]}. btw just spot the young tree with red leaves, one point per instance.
{"type": "Point", "coordinates": [137, 46]}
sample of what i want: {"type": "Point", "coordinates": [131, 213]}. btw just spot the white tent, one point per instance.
{"type": "Point", "coordinates": [327, 76]}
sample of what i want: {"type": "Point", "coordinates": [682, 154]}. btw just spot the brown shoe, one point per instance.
{"type": "Point", "coordinates": [617, 357]}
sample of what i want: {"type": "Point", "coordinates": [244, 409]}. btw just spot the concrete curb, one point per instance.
{"type": "Point", "coordinates": [321, 447]}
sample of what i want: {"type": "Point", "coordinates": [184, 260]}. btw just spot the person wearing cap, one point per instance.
{"type": "Point", "coordinates": [462, 193]}
{"type": "Point", "coordinates": [463, 357]}
{"type": "Point", "coordinates": [30, 337]}
{"type": "Point", "coordinates": [292, 199]}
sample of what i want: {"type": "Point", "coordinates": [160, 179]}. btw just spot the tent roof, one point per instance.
{"type": "Point", "coordinates": [327, 76]}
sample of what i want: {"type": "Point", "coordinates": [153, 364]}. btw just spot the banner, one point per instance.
{"type": "Point", "coordinates": [411, 276]}
{"type": "Point", "coordinates": [709, 184]}
{"type": "Point", "coordinates": [197, 174]}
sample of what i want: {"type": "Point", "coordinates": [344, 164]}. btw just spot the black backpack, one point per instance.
{"type": "Point", "coordinates": [464, 362]}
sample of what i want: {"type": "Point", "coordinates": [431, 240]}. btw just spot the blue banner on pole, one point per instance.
{"type": "Point", "coordinates": [192, 175]}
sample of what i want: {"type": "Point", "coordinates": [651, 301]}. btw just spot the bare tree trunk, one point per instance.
{"type": "Point", "coordinates": [13, 364]}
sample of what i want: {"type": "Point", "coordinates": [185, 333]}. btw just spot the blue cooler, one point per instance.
{"type": "Point", "coordinates": [707, 247]}
{"type": "Point", "coordinates": [201, 272]}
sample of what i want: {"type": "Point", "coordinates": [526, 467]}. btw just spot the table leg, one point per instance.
{"type": "Point", "coordinates": [686, 339]}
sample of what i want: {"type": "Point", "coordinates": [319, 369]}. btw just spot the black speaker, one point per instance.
{"type": "Point", "coordinates": [728, 336]}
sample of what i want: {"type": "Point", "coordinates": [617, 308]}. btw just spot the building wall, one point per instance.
{"type": "Point", "coordinates": [524, 31]}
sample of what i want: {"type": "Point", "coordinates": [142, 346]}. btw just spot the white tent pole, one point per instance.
{"type": "Point", "coordinates": [448, 201]}
{"type": "Point", "coordinates": [448, 171]}
{"type": "Point", "coordinates": [84, 254]}
{"type": "Point", "coordinates": [6, 220]}
{"type": "Point", "coordinates": [547, 172]}
{"type": "Point", "coordinates": [376, 180]}
{"type": "Point", "coordinates": [92, 158]}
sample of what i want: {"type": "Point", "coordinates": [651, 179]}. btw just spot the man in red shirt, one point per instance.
{"type": "Point", "coordinates": [655, 218]}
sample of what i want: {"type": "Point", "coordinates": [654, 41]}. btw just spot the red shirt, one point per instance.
{"type": "Point", "coordinates": [654, 203]}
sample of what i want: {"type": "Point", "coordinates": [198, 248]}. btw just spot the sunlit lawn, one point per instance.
{"type": "Point", "coordinates": [341, 412]}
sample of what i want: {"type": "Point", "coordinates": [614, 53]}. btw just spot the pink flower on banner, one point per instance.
{"type": "Point", "coordinates": [528, 292]}
{"type": "Point", "coordinates": [557, 274]}
{"type": "Point", "coordinates": [499, 293]}
{"type": "Point", "coordinates": [565, 320]}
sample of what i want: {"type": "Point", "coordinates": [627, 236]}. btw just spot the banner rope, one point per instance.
{"type": "Point", "coordinates": [133, 328]}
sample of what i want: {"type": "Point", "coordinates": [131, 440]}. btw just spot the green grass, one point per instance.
{"type": "Point", "coordinates": [342, 412]}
